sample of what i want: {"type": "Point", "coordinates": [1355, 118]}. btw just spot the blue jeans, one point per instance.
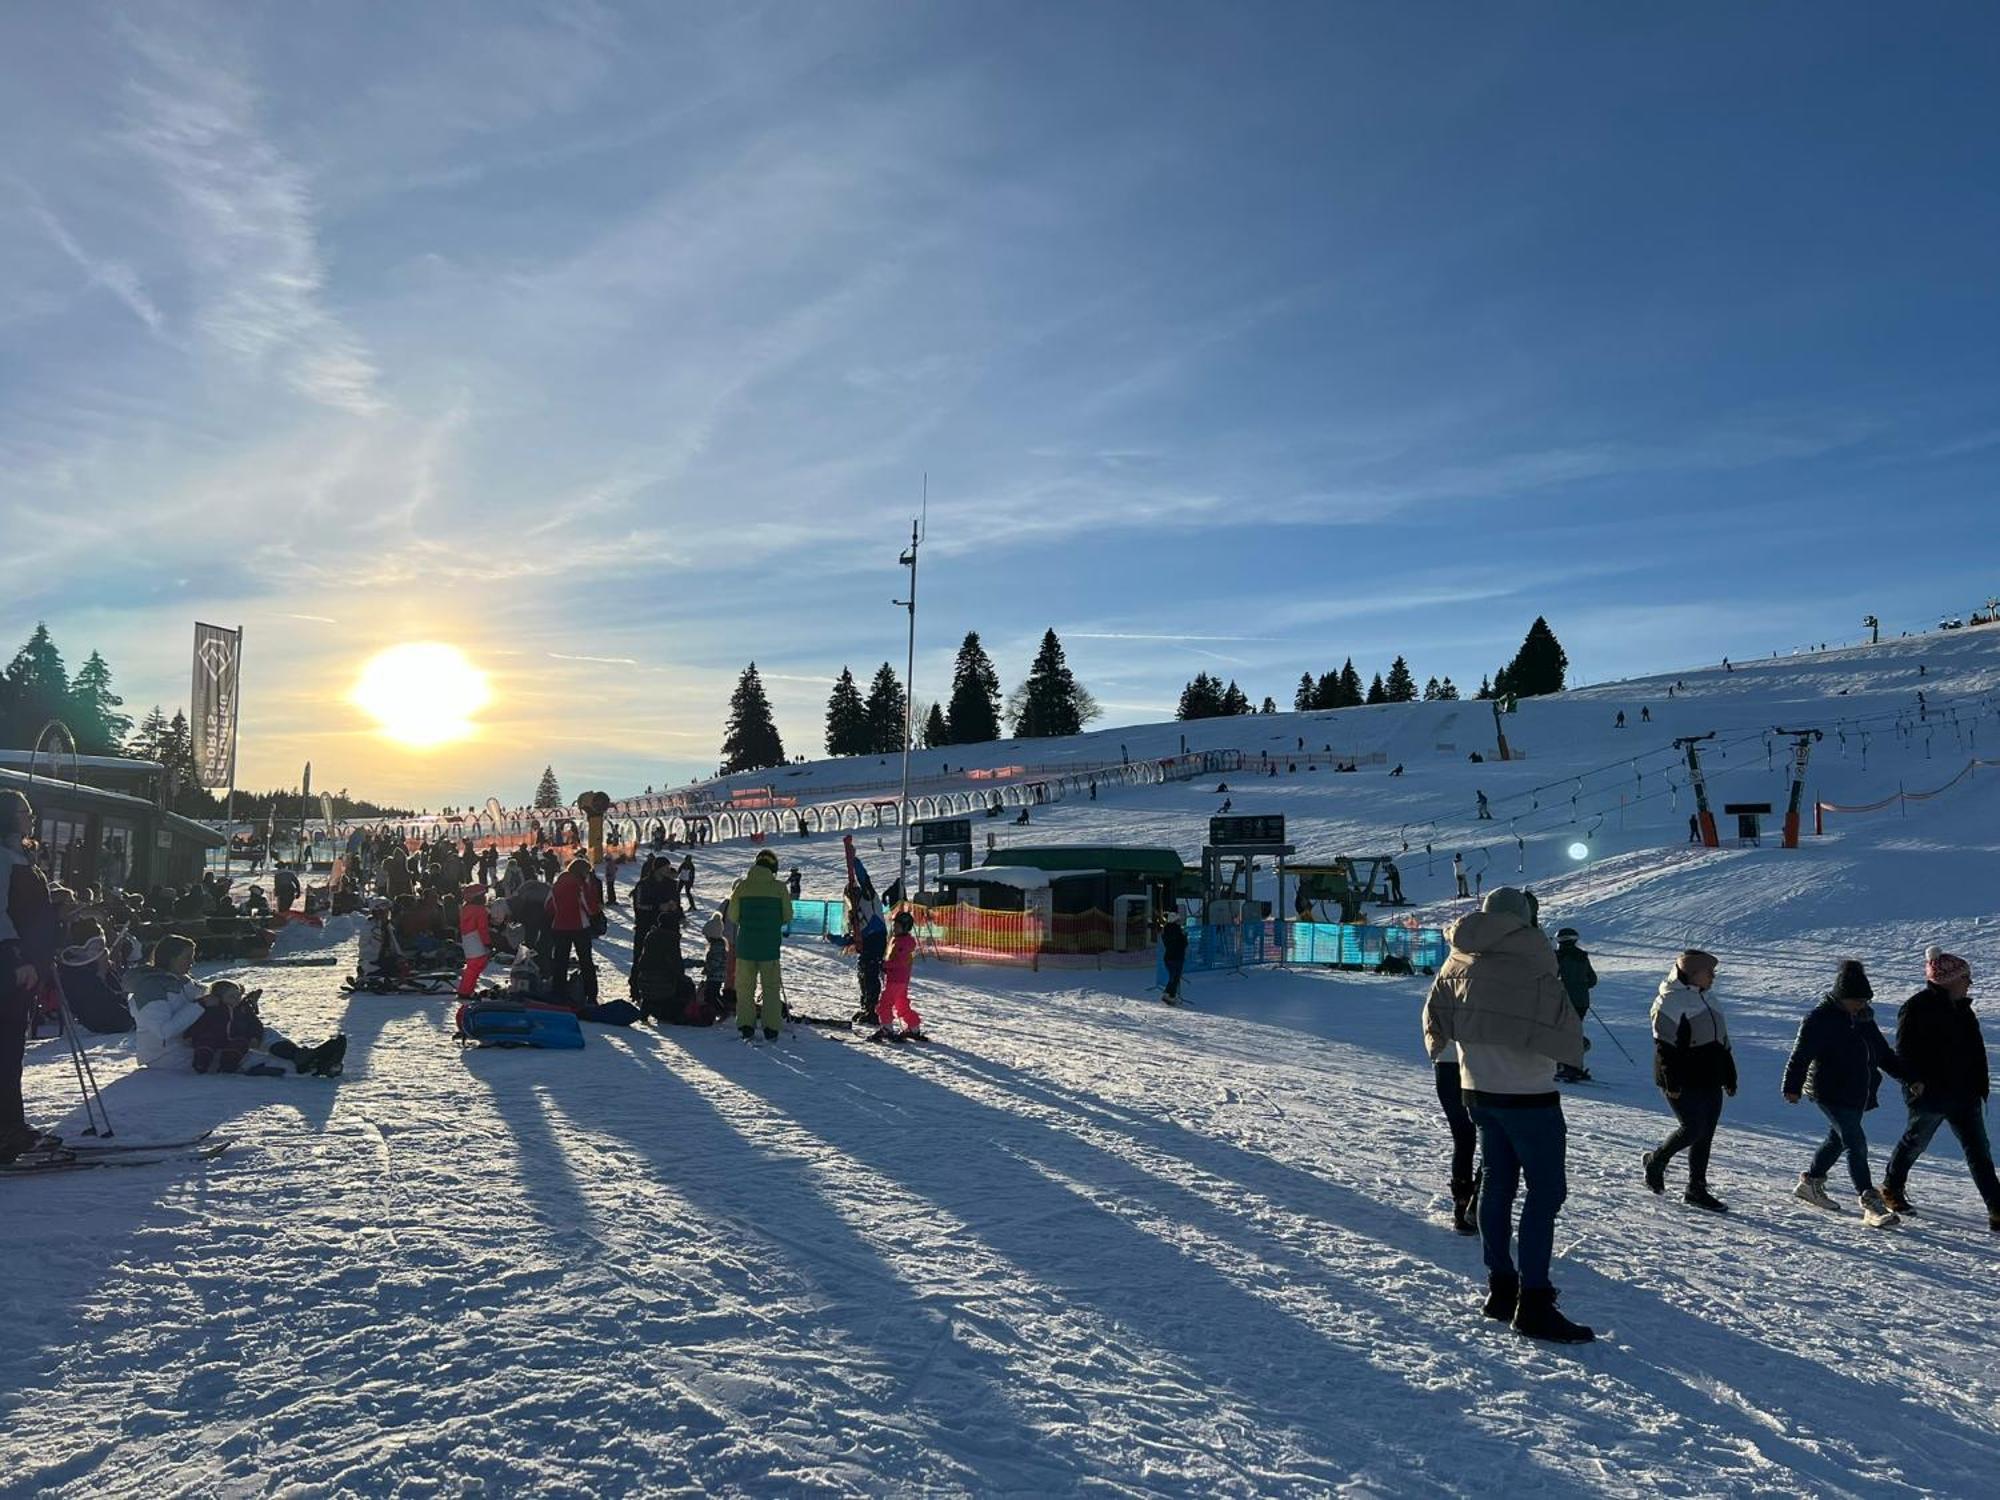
{"type": "Point", "coordinates": [1968, 1123]}
{"type": "Point", "coordinates": [1846, 1135]}
{"type": "Point", "coordinates": [1517, 1142]}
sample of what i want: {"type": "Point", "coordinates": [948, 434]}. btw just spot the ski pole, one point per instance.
{"type": "Point", "coordinates": [86, 1076]}
{"type": "Point", "coordinates": [1614, 1037]}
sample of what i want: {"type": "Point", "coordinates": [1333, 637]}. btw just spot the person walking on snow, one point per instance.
{"type": "Point", "coordinates": [1694, 1067]}
{"type": "Point", "coordinates": [1838, 1062]}
{"type": "Point", "coordinates": [1458, 875]}
{"type": "Point", "coordinates": [475, 936]}
{"type": "Point", "coordinates": [687, 881]}
{"type": "Point", "coordinates": [1173, 954]}
{"type": "Point", "coordinates": [759, 908]}
{"type": "Point", "coordinates": [896, 986]}
{"type": "Point", "coordinates": [1945, 1079]}
{"type": "Point", "coordinates": [1499, 1001]}
{"type": "Point", "coordinates": [1578, 979]}
{"type": "Point", "coordinates": [1485, 812]}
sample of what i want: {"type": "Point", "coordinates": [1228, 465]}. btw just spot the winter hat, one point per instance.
{"type": "Point", "coordinates": [1506, 901]}
{"type": "Point", "coordinates": [1692, 959]}
{"type": "Point", "coordinates": [472, 892]}
{"type": "Point", "coordinates": [84, 953]}
{"type": "Point", "coordinates": [767, 859]}
{"type": "Point", "coordinates": [1851, 983]}
{"type": "Point", "coordinates": [1942, 968]}
{"type": "Point", "coordinates": [1565, 934]}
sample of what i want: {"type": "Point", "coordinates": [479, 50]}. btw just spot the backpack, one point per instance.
{"type": "Point", "coordinates": [507, 1023]}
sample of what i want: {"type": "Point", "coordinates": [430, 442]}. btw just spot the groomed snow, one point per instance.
{"type": "Point", "coordinates": [1091, 1244]}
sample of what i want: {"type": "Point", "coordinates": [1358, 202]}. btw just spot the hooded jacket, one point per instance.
{"type": "Point", "coordinates": [1939, 1045]}
{"type": "Point", "coordinates": [1578, 977]}
{"type": "Point", "coordinates": [760, 906]}
{"type": "Point", "coordinates": [164, 1006]}
{"type": "Point", "coordinates": [1838, 1059]}
{"type": "Point", "coordinates": [1499, 999]}
{"type": "Point", "coordinates": [1690, 1039]}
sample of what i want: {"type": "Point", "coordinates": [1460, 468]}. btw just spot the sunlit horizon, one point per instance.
{"type": "Point", "coordinates": [422, 695]}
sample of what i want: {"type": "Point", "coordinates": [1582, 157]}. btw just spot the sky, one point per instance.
{"type": "Point", "coordinates": [616, 345]}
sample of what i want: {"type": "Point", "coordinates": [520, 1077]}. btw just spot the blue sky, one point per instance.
{"type": "Point", "coordinates": [1233, 338]}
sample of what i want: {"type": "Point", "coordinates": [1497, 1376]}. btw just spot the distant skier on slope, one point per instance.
{"type": "Point", "coordinates": [1173, 953]}
{"type": "Point", "coordinates": [1945, 1079]}
{"type": "Point", "coordinates": [1579, 979]}
{"type": "Point", "coordinates": [1838, 1062]}
{"type": "Point", "coordinates": [1500, 1001]}
{"type": "Point", "coordinates": [1694, 1067]}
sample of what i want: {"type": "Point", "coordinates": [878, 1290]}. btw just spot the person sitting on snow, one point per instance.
{"type": "Point", "coordinates": [182, 1023]}
{"type": "Point", "coordinates": [94, 991]}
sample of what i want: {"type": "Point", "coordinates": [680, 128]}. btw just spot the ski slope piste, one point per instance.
{"type": "Point", "coordinates": [1088, 1243]}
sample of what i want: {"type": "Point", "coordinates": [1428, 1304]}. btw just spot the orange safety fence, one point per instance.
{"type": "Point", "coordinates": [1897, 798]}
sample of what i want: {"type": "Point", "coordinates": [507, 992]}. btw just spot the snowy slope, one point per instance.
{"type": "Point", "coordinates": [1091, 1244]}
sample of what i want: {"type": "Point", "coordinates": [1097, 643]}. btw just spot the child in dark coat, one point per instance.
{"type": "Point", "coordinates": [1838, 1062]}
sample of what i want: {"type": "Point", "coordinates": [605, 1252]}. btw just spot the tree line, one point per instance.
{"type": "Point", "coordinates": [1047, 702]}
{"type": "Point", "coordinates": [37, 687]}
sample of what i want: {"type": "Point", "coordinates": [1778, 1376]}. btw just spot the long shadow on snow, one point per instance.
{"type": "Point", "coordinates": [1704, 1346]}
{"type": "Point", "coordinates": [1184, 1307]}
{"type": "Point", "coordinates": [706, 1160]}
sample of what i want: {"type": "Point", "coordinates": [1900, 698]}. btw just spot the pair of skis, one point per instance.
{"type": "Point", "coordinates": [91, 1153]}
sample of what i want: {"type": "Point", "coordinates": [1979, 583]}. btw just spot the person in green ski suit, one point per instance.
{"type": "Point", "coordinates": [1578, 980]}
{"type": "Point", "coordinates": [759, 909]}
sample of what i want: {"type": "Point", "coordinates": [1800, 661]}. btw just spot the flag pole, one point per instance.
{"type": "Point", "coordinates": [909, 560]}
{"type": "Point", "coordinates": [229, 805]}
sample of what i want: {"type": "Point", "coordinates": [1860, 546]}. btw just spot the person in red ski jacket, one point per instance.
{"type": "Point", "coordinates": [895, 1002]}
{"type": "Point", "coordinates": [475, 936]}
{"type": "Point", "coordinates": [575, 909]}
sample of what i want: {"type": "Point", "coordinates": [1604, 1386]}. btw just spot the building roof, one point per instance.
{"type": "Point", "coordinates": [76, 794]}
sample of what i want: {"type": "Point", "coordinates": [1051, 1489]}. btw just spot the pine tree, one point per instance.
{"type": "Point", "coordinates": [1234, 700]}
{"type": "Point", "coordinates": [33, 690]}
{"type": "Point", "coordinates": [1447, 693]}
{"type": "Point", "coordinates": [974, 711]}
{"type": "Point", "coordinates": [1350, 686]}
{"type": "Point", "coordinates": [1430, 690]}
{"type": "Point", "coordinates": [1537, 668]}
{"type": "Point", "coordinates": [1307, 696]}
{"type": "Point", "coordinates": [1376, 692]}
{"type": "Point", "coordinates": [847, 728]}
{"type": "Point", "coordinates": [1270, 705]}
{"type": "Point", "coordinates": [146, 739]}
{"type": "Point", "coordinates": [886, 709]}
{"type": "Point", "coordinates": [1400, 686]}
{"type": "Point", "coordinates": [1050, 702]}
{"type": "Point", "coordinates": [183, 774]}
{"type": "Point", "coordinates": [1326, 692]}
{"type": "Point", "coordinates": [548, 794]}
{"type": "Point", "coordinates": [94, 716]}
{"type": "Point", "coordinates": [937, 733]}
{"type": "Point", "coordinates": [1485, 689]}
{"type": "Point", "coordinates": [1201, 698]}
{"type": "Point", "coordinates": [750, 739]}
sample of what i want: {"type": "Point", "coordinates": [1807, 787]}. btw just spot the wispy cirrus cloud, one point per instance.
{"type": "Point", "coordinates": [114, 276]}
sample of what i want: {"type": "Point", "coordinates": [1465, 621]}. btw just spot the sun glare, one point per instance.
{"type": "Point", "coordinates": [423, 694]}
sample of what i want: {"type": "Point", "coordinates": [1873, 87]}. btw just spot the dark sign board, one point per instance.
{"type": "Point", "coordinates": [1247, 831]}
{"type": "Point", "coordinates": [942, 833]}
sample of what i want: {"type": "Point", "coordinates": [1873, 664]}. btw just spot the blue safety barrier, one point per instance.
{"type": "Point", "coordinates": [818, 919]}
{"type": "Point", "coordinates": [1346, 945]}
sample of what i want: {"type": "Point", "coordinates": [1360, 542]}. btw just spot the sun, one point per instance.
{"type": "Point", "coordinates": [423, 694]}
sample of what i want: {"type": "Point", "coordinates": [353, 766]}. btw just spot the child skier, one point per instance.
{"type": "Point", "coordinates": [475, 936]}
{"type": "Point", "coordinates": [896, 987]}
{"type": "Point", "coordinates": [1838, 1062]}
{"type": "Point", "coordinates": [1578, 979]}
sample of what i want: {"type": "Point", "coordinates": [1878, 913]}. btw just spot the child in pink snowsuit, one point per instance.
{"type": "Point", "coordinates": [475, 936]}
{"type": "Point", "coordinates": [895, 1002]}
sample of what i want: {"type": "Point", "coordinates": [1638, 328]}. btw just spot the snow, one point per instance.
{"type": "Point", "coordinates": [1089, 1243]}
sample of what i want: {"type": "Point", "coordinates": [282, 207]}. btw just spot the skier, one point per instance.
{"type": "Point", "coordinates": [1645, 713]}
{"type": "Point", "coordinates": [1838, 1062]}
{"type": "Point", "coordinates": [1485, 812]}
{"type": "Point", "coordinates": [1499, 1000]}
{"type": "Point", "coordinates": [1621, 720]}
{"type": "Point", "coordinates": [475, 938]}
{"type": "Point", "coordinates": [868, 935]}
{"type": "Point", "coordinates": [1945, 1079]}
{"type": "Point", "coordinates": [1173, 953]}
{"type": "Point", "coordinates": [1578, 979]}
{"type": "Point", "coordinates": [28, 936]}
{"type": "Point", "coordinates": [1694, 828]}
{"type": "Point", "coordinates": [1694, 1067]}
{"type": "Point", "coordinates": [759, 907]}
{"type": "Point", "coordinates": [1458, 875]}
{"type": "Point", "coordinates": [795, 882]}
{"type": "Point", "coordinates": [896, 986]}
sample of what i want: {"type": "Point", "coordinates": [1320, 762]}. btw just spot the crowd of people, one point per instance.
{"type": "Point", "coordinates": [1503, 1023]}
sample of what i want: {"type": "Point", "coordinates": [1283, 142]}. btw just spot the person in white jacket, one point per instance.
{"type": "Point", "coordinates": [169, 1004]}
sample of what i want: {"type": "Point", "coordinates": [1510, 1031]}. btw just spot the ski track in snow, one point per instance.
{"type": "Point", "coordinates": [1085, 1244]}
